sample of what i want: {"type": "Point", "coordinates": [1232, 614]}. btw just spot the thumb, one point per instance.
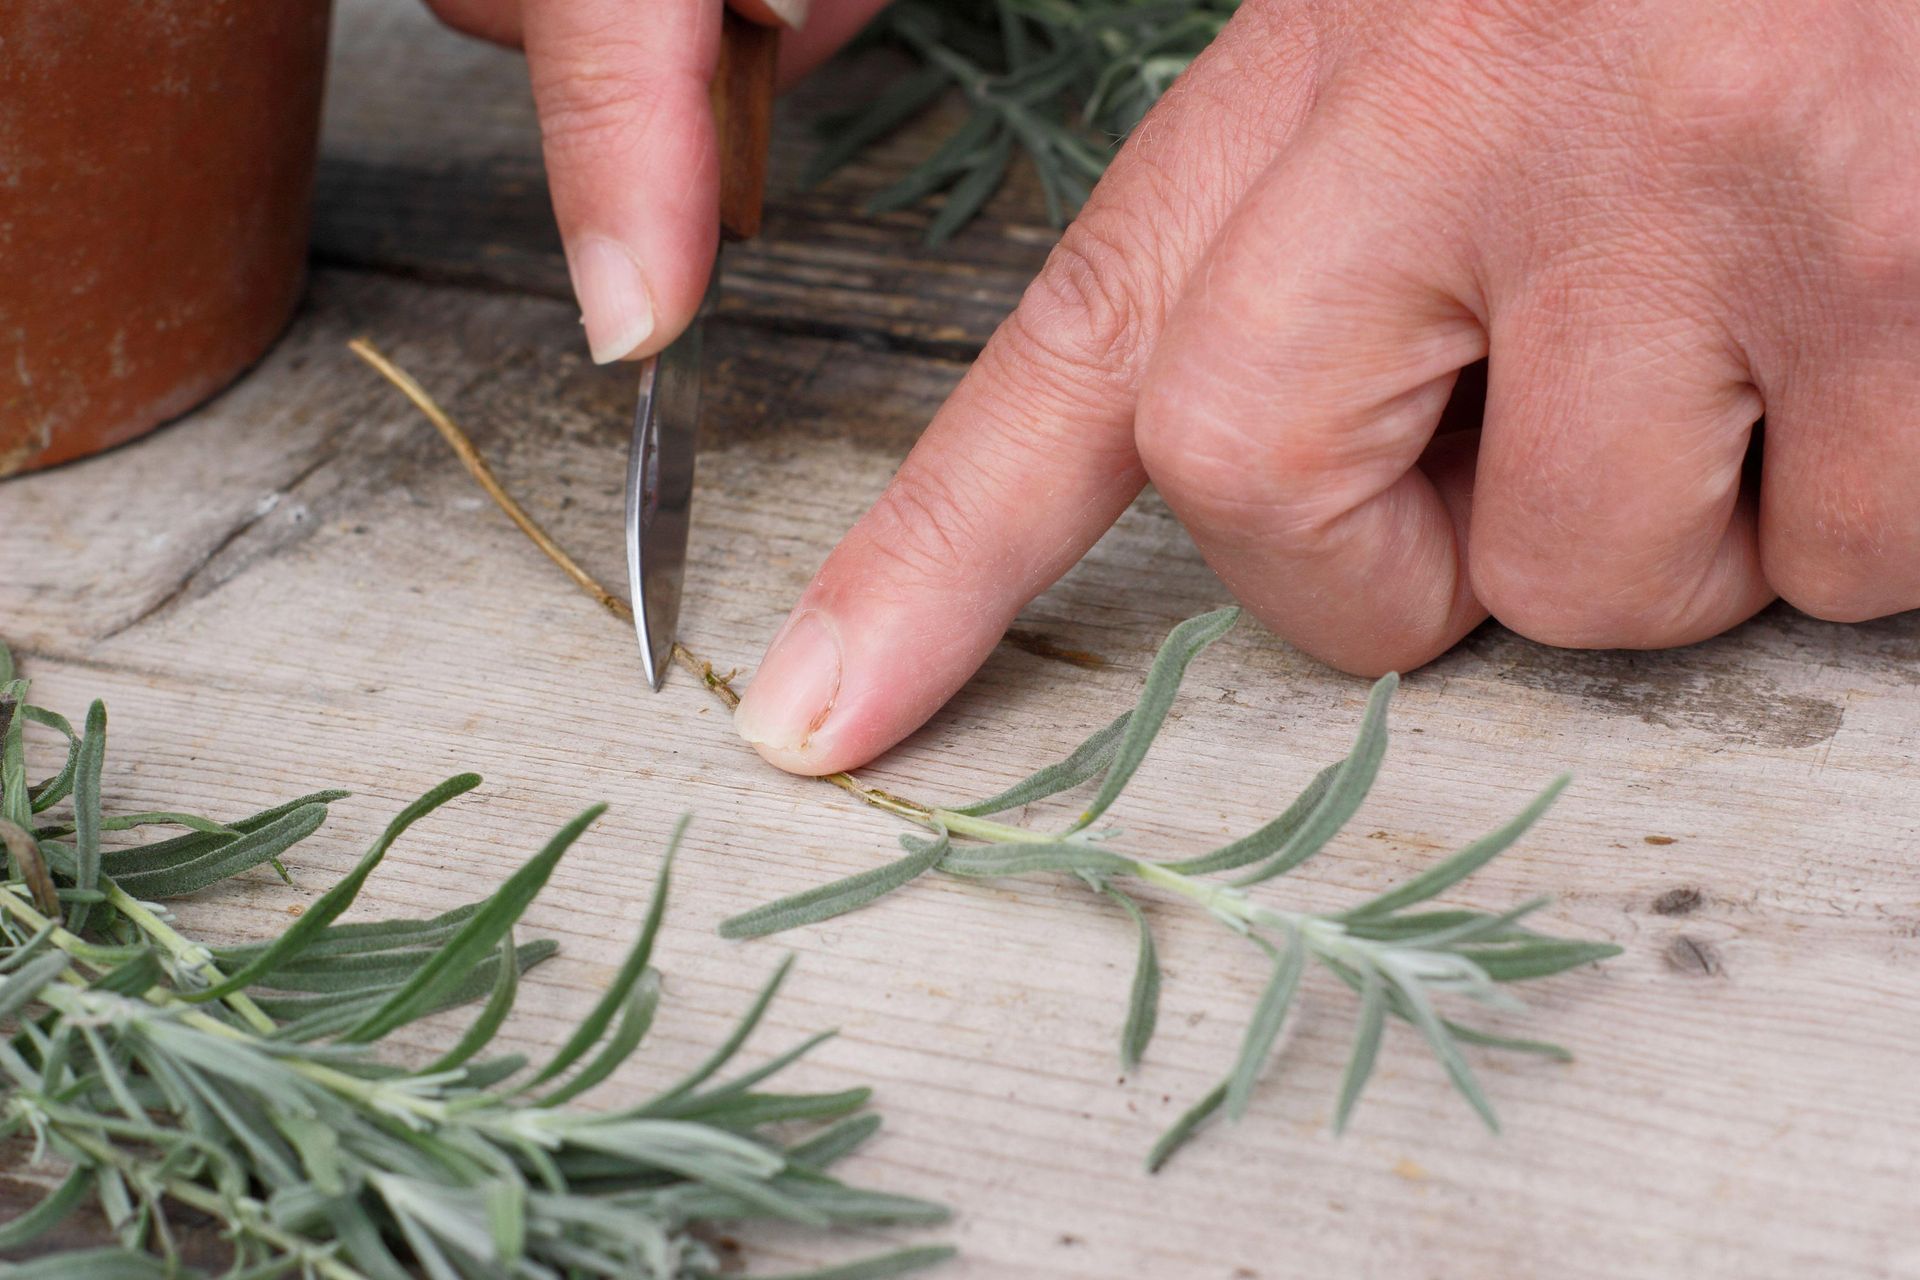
{"type": "Point", "coordinates": [631, 156]}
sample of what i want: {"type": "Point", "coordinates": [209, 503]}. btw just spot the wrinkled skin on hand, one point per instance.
{"type": "Point", "coordinates": [1656, 220]}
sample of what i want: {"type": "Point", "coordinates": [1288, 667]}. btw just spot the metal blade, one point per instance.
{"type": "Point", "coordinates": [666, 429]}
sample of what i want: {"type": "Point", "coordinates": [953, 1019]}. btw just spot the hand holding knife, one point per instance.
{"type": "Point", "coordinates": [666, 418]}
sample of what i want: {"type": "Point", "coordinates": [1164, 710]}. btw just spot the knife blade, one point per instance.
{"type": "Point", "coordinates": [666, 417]}
{"type": "Point", "coordinates": [666, 436]}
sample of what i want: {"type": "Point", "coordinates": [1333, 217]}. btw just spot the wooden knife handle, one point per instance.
{"type": "Point", "coordinates": [743, 110]}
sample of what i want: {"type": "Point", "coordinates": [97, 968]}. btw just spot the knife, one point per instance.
{"type": "Point", "coordinates": [666, 418]}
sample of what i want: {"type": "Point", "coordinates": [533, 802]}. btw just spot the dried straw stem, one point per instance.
{"type": "Point", "coordinates": [463, 447]}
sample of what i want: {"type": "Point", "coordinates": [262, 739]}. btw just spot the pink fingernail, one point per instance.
{"type": "Point", "coordinates": [615, 304]}
{"type": "Point", "coordinates": [793, 692]}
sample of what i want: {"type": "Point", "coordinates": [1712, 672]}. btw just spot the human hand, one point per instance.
{"type": "Point", "coordinates": [1659, 220]}
{"type": "Point", "coordinates": [621, 89]}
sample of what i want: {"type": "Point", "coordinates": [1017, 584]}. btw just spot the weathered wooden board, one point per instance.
{"type": "Point", "coordinates": [298, 586]}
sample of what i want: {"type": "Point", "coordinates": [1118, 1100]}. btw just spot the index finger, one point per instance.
{"type": "Point", "coordinates": [1033, 457]}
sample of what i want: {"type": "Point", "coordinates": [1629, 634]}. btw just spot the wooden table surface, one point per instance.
{"type": "Point", "coordinates": [298, 586]}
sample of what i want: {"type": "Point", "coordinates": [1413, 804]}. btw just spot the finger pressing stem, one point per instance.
{"type": "Point", "coordinates": [721, 686]}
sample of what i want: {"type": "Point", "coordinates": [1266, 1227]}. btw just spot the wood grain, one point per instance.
{"type": "Point", "coordinates": [297, 585]}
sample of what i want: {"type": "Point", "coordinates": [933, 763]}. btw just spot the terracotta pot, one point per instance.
{"type": "Point", "coordinates": [156, 172]}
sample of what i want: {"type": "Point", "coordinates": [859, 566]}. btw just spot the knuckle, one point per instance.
{"type": "Point", "coordinates": [1879, 236]}
{"type": "Point", "coordinates": [595, 101]}
{"type": "Point", "coordinates": [1721, 88]}
{"type": "Point", "coordinates": [1083, 316]}
{"type": "Point", "coordinates": [1192, 450]}
{"type": "Point", "coordinates": [1165, 433]}
{"type": "Point", "coordinates": [1287, 490]}
{"type": "Point", "coordinates": [1288, 474]}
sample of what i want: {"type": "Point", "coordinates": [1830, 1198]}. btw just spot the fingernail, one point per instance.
{"type": "Point", "coordinates": [614, 302]}
{"type": "Point", "coordinates": [793, 692]}
{"type": "Point", "coordinates": [791, 12]}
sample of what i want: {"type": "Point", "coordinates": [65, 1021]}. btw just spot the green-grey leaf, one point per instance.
{"type": "Point", "coordinates": [595, 1024]}
{"type": "Point", "coordinates": [641, 999]}
{"type": "Point", "coordinates": [506, 985]}
{"type": "Point", "coordinates": [1258, 844]}
{"type": "Point", "coordinates": [334, 902]}
{"type": "Point", "coordinates": [1397, 1004]}
{"type": "Point", "coordinates": [823, 1149]}
{"type": "Point", "coordinates": [318, 1146]}
{"type": "Point", "coordinates": [15, 804]}
{"type": "Point", "coordinates": [132, 977]}
{"type": "Point", "coordinates": [972, 191]}
{"type": "Point", "coordinates": [52, 791]}
{"type": "Point", "coordinates": [1086, 760]}
{"type": "Point", "coordinates": [851, 134]}
{"type": "Point", "coordinates": [747, 1111]}
{"type": "Point", "coordinates": [1366, 1047]}
{"type": "Point", "coordinates": [182, 849]}
{"type": "Point", "coordinates": [1537, 958]}
{"type": "Point", "coordinates": [51, 1210]}
{"type": "Point", "coordinates": [506, 1199]}
{"type": "Point", "coordinates": [1444, 875]}
{"type": "Point", "coordinates": [772, 1066]}
{"type": "Point", "coordinates": [485, 1075]}
{"type": "Point", "coordinates": [1480, 927]}
{"type": "Point", "coordinates": [129, 821]}
{"type": "Point", "coordinates": [348, 974]}
{"type": "Point", "coordinates": [826, 901]}
{"type": "Point", "coordinates": [18, 989]}
{"type": "Point", "coordinates": [38, 944]}
{"type": "Point", "coordinates": [228, 858]}
{"type": "Point", "coordinates": [1183, 643]}
{"type": "Point", "coordinates": [1488, 1040]}
{"type": "Point", "coordinates": [952, 159]}
{"type": "Point", "coordinates": [838, 1203]}
{"type": "Point", "coordinates": [364, 938]}
{"type": "Point", "coordinates": [86, 811]}
{"type": "Point", "coordinates": [1420, 1012]}
{"type": "Point", "coordinates": [1397, 929]}
{"type": "Point", "coordinates": [91, 1264]}
{"type": "Point", "coordinates": [1352, 779]}
{"type": "Point", "coordinates": [313, 1016]}
{"type": "Point", "coordinates": [427, 988]}
{"type": "Point", "coordinates": [724, 1054]}
{"type": "Point", "coordinates": [1185, 1127]}
{"type": "Point", "coordinates": [1264, 1028]}
{"type": "Point", "coordinates": [898, 1263]}
{"type": "Point", "coordinates": [1143, 1000]}
{"type": "Point", "coordinates": [985, 860]}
